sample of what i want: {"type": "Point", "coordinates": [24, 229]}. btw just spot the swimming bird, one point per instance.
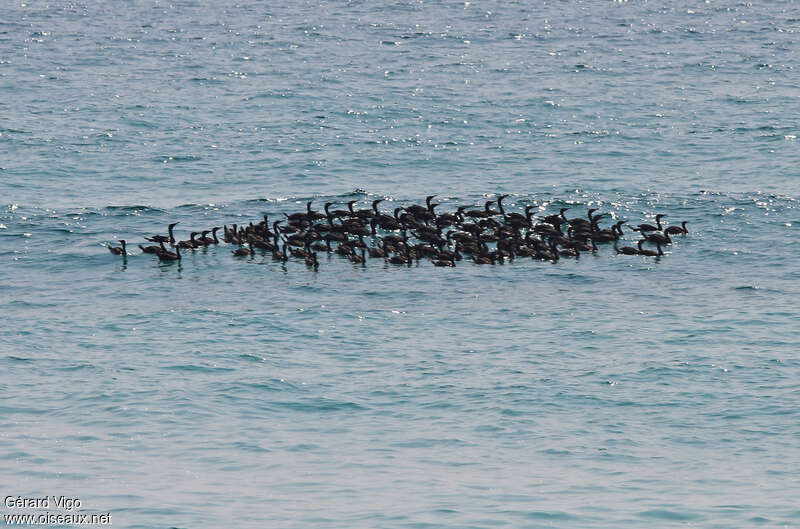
{"type": "Point", "coordinates": [473, 213]}
{"type": "Point", "coordinates": [166, 255]}
{"type": "Point", "coordinates": [313, 215]}
{"type": "Point", "coordinates": [612, 234]}
{"type": "Point", "coordinates": [229, 235]}
{"type": "Point", "coordinates": [360, 213]}
{"type": "Point", "coordinates": [378, 252]}
{"type": "Point", "coordinates": [482, 214]}
{"type": "Point", "coordinates": [649, 253]}
{"type": "Point", "coordinates": [420, 211]}
{"type": "Point", "coordinates": [213, 240]}
{"type": "Point", "coordinates": [336, 213]}
{"type": "Point", "coordinates": [483, 259]}
{"type": "Point", "coordinates": [298, 217]}
{"type": "Point", "coordinates": [118, 251]}
{"type": "Point", "coordinates": [358, 259]}
{"type": "Point", "coordinates": [489, 211]}
{"type": "Point", "coordinates": [280, 255]}
{"type": "Point", "coordinates": [571, 250]}
{"type": "Point", "coordinates": [150, 249]}
{"type": "Point", "coordinates": [444, 262]}
{"type": "Point", "coordinates": [444, 220]}
{"type": "Point", "coordinates": [556, 220]}
{"type": "Point", "coordinates": [649, 227]}
{"type": "Point", "coordinates": [261, 243]}
{"type": "Point", "coordinates": [401, 259]}
{"type": "Point", "coordinates": [675, 230]}
{"type": "Point", "coordinates": [204, 240]}
{"type": "Point", "coordinates": [375, 207]}
{"type": "Point", "coordinates": [625, 250]}
{"type": "Point", "coordinates": [515, 219]}
{"type": "Point", "coordinates": [388, 222]}
{"type": "Point", "coordinates": [191, 243]}
{"type": "Point", "coordinates": [298, 252]}
{"type": "Point", "coordinates": [162, 238]}
{"type": "Point", "coordinates": [580, 222]}
{"type": "Point", "coordinates": [242, 252]}
{"type": "Point", "coordinates": [658, 238]}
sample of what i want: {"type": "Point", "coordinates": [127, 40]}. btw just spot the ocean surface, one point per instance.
{"type": "Point", "coordinates": [604, 392]}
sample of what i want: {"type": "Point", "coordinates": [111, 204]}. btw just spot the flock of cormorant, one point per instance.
{"type": "Point", "coordinates": [409, 234]}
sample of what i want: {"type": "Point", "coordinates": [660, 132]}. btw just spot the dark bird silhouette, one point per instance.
{"type": "Point", "coordinates": [675, 230]}
{"type": "Point", "coordinates": [118, 250]}
{"type": "Point", "coordinates": [650, 253]}
{"type": "Point", "coordinates": [187, 245]}
{"type": "Point", "coordinates": [657, 238]}
{"type": "Point", "coordinates": [166, 255]}
{"type": "Point", "coordinates": [242, 252]}
{"type": "Point", "coordinates": [162, 238]}
{"type": "Point", "coordinates": [649, 227]}
{"type": "Point", "coordinates": [626, 250]}
{"type": "Point", "coordinates": [150, 249]}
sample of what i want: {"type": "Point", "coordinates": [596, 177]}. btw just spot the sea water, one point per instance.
{"type": "Point", "coordinates": [607, 391]}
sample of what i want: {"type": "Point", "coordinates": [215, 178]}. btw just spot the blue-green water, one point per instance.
{"type": "Point", "coordinates": [609, 391]}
